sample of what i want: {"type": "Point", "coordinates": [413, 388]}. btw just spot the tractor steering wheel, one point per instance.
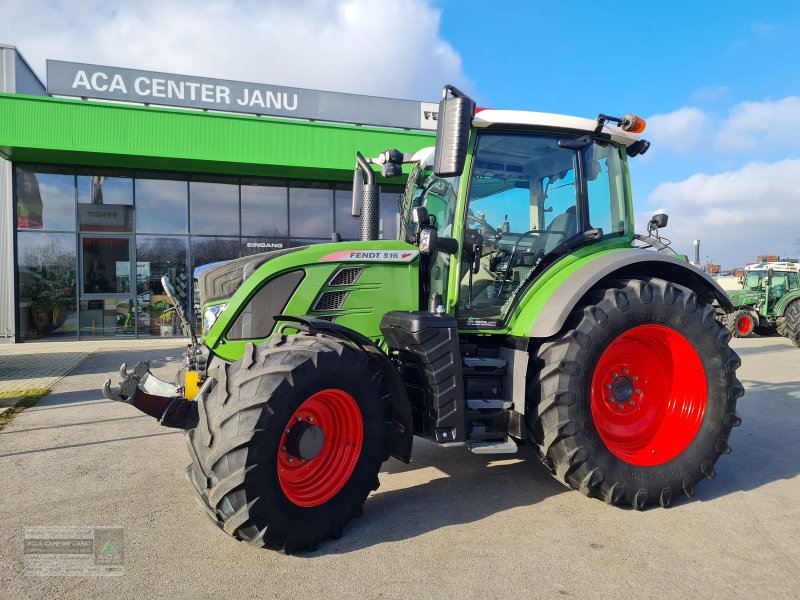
{"type": "Point", "coordinates": [514, 250]}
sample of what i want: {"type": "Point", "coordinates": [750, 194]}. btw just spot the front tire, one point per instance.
{"type": "Point", "coordinates": [635, 400]}
{"type": "Point", "coordinates": [742, 324]}
{"type": "Point", "coordinates": [290, 442]}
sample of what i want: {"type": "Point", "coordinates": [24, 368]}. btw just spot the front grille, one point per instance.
{"type": "Point", "coordinates": [346, 276]}
{"type": "Point", "coordinates": [330, 301]}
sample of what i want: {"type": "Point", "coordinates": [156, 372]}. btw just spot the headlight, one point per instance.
{"type": "Point", "coordinates": [210, 316]}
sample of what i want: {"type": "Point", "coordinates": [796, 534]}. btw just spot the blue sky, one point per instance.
{"type": "Point", "coordinates": [650, 59]}
{"type": "Point", "coordinates": [719, 82]}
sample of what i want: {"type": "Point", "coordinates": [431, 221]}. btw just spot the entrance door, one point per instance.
{"type": "Point", "coordinates": [107, 300]}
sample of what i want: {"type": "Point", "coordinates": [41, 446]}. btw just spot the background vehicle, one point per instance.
{"type": "Point", "coordinates": [514, 309]}
{"type": "Point", "coordinates": [768, 302]}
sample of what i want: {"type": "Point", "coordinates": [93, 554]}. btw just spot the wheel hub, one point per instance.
{"type": "Point", "coordinates": [304, 441]}
{"type": "Point", "coordinates": [622, 388]}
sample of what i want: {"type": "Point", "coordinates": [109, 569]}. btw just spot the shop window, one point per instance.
{"type": "Point", "coordinates": [45, 198]}
{"type": "Point", "coordinates": [157, 257]}
{"type": "Point", "coordinates": [346, 225]}
{"type": "Point", "coordinates": [105, 202]}
{"type": "Point", "coordinates": [207, 250]}
{"type": "Point", "coordinates": [162, 206]}
{"type": "Point", "coordinates": [265, 209]}
{"type": "Point", "coordinates": [390, 213]}
{"type": "Point", "coordinates": [47, 300]}
{"type": "Point", "coordinates": [214, 208]}
{"type": "Point", "coordinates": [310, 210]}
{"type": "Point", "coordinates": [106, 265]}
{"type": "Point", "coordinates": [107, 317]}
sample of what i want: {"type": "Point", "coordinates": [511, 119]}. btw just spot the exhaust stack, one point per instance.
{"type": "Point", "coordinates": [370, 199]}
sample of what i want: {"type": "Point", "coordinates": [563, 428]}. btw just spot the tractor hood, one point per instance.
{"type": "Point", "coordinates": [222, 280]}
{"type": "Point", "coordinates": [352, 284]}
{"type": "Point", "coordinates": [741, 298]}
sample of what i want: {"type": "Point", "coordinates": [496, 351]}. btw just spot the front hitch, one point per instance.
{"type": "Point", "coordinates": [155, 397]}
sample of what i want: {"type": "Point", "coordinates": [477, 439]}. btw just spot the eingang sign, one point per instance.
{"type": "Point", "coordinates": [151, 87]}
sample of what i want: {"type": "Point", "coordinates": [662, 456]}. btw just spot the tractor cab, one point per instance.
{"type": "Point", "coordinates": [529, 190]}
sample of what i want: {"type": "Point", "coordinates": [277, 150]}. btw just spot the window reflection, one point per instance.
{"type": "Point", "coordinates": [45, 198]}
{"type": "Point", "coordinates": [100, 187]}
{"type": "Point", "coordinates": [214, 208]}
{"type": "Point", "coordinates": [105, 203]}
{"type": "Point", "coordinates": [157, 257]}
{"type": "Point", "coordinates": [265, 209]}
{"type": "Point", "coordinates": [346, 225]}
{"type": "Point", "coordinates": [46, 266]}
{"type": "Point", "coordinates": [162, 206]}
{"type": "Point", "coordinates": [206, 250]}
{"type": "Point", "coordinates": [310, 210]}
{"type": "Point", "coordinates": [390, 213]}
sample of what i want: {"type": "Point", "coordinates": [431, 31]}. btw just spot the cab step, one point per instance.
{"type": "Point", "coordinates": [506, 446]}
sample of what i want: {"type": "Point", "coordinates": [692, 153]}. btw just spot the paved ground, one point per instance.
{"type": "Point", "coordinates": [41, 365]}
{"type": "Point", "coordinates": [451, 525]}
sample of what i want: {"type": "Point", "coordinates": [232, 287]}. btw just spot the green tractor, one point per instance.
{"type": "Point", "coordinates": [768, 303]}
{"type": "Point", "coordinates": [517, 307]}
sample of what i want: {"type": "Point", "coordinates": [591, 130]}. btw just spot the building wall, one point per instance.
{"type": "Point", "coordinates": [6, 251]}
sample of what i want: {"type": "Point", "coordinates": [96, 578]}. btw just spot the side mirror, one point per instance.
{"type": "Point", "coordinates": [452, 132]}
{"type": "Point", "coordinates": [658, 221]}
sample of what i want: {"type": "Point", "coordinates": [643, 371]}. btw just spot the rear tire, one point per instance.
{"type": "Point", "coordinates": [246, 462]}
{"type": "Point", "coordinates": [741, 323]}
{"type": "Point", "coordinates": [657, 351]}
{"type": "Point", "coordinates": [792, 322]}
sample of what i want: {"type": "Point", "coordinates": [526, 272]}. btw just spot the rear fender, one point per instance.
{"type": "Point", "coordinates": [783, 304]}
{"type": "Point", "coordinates": [629, 262]}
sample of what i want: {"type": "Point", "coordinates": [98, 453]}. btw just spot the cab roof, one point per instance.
{"type": "Point", "coordinates": [488, 117]}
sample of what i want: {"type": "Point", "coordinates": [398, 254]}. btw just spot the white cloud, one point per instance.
{"type": "Point", "coordinates": [393, 48]}
{"type": "Point", "coordinates": [679, 131]}
{"type": "Point", "coordinates": [710, 93]}
{"type": "Point", "coordinates": [737, 214]}
{"type": "Point", "coordinates": [769, 124]}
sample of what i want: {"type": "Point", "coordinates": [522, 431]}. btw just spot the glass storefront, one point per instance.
{"type": "Point", "coordinates": [93, 244]}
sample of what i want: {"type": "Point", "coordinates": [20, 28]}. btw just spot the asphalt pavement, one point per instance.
{"type": "Point", "coordinates": [450, 525]}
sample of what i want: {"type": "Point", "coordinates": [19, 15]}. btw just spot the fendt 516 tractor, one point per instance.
{"type": "Point", "coordinates": [517, 307]}
{"type": "Point", "coordinates": [769, 301]}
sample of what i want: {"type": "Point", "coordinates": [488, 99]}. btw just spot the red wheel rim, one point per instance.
{"type": "Point", "coordinates": [648, 395]}
{"type": "Point", "coordinates": [315, 481]}
{"type": "Point", "coordinates": [744, 324]}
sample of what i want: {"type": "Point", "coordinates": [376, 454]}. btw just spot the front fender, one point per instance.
{"type": "Point", "coordinates": [400, 436]}
{"type": "Point", "coordinates": [628, 262]}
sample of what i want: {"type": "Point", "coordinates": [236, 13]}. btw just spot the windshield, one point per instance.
{"type": "Point", "coordinates": [525, 200]}
{"type": "Point", "coordinates": [753, 279]}
{"type": "Point", "coordinates": [436, 194]}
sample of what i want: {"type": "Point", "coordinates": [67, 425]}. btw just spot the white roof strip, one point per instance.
{"type": "Point", "coordinates": [487, 117]}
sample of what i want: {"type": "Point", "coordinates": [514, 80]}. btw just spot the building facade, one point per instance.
{"type": "Point", "coordinates": [98, 200]}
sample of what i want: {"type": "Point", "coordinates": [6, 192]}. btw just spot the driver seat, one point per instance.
{"type": "Point", "coordinates": [563, 227]}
